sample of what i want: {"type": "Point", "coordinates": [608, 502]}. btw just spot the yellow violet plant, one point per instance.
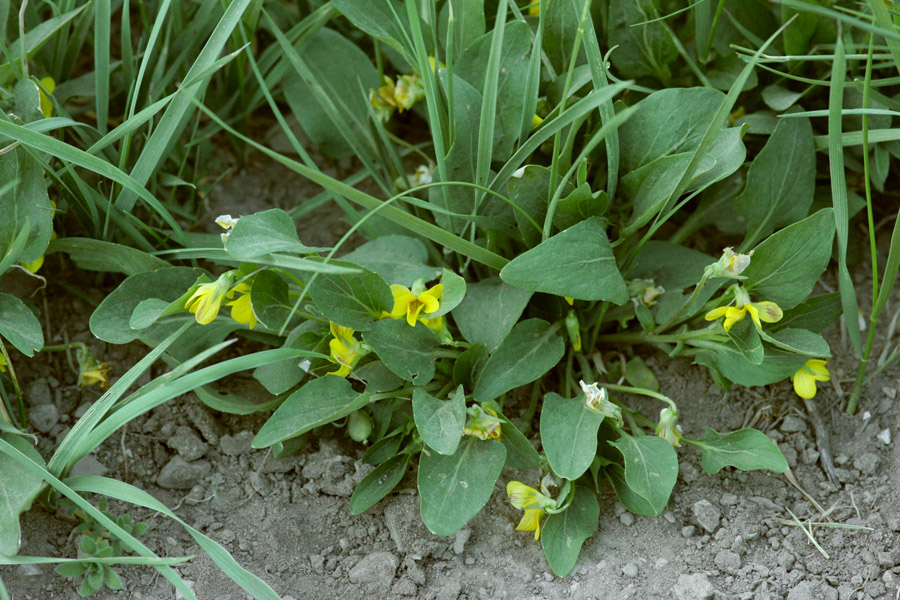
{"type": "Point", "coordinates": [415, 304]}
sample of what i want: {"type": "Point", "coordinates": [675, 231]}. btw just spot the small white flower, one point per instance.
{"type": "Point", "coordinates": [596, 399]}
{"type": "Point", "coordinates": [423, 175]}
{"type": "Point", "coordinates": [227, 223]}
{"type": "Point", "coordinates": [518, 173]}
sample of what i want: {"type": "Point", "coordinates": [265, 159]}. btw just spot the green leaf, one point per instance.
{"type": "Point", "coordinates": [453, 294]}
{"type": "Point", "coordinates": [815, 313]}
{"type": "Point", "coordinates": [452, 489]}
{"type": "Point", "coordinates": [569, 434]}
{"type": "Point", "coordinates": [440, 422]}
{"type": "Point", "coordinates": [746, 340]}
{"type": "Point", "coordinates": [781, 180]}
{"type": "Point", "coordinates": [319, 402]}
{"type": "Point", "coordinates": [644, 49]}
{"type": "Point", "coordinates": [407, 351]}
{"type": "Point", "coordinates": [263, 233]}
{"type": "Point", "coordinates": [18, 487]}
{"type": "Point", "coordinates": [799, 341]}
{"type": "Point", "coordinates": [35, 38]}
{"type": "Point", "coordinates": [472, 67]}
{"type": "Point", "coordinates": [488, 312]}
{"type": "Point", "coordinates": [278, 377]}
{"type": "Point", "coordinates": [379, 483]}
{"type": "Point", "coordinates": [564, 533]}
{"type": "Point", "coordinates": [234, 404]}
{"type": "Point", "coordinates": [577, 262]}
{"type": "Point", "coordinates": [532, 348]}
{"type": "Point", "coordinates": [786, 266]}
{"type": "Point", "coordinates": [669, 265]}
{"type": "Point", "coordinates": [19, 325]}
{"type": "Point", "coordinates": [385, 20]}
{"type": "Point", "coordinates": [777, 365]}
{"type": "Point", "coordinates": [668, 121]}
{"type": "Point", "coordinates": [638, 374]}
{"type": "Point", "coordinates": [27, 200]}
{"type": "Point", "coordinates": [378, 377]}
{"type": "Point", "coordinates": [269, 298]}
{"type": "Point", "coordinates": [615, 474]}
{"type": "Point", "coordinates": [520, 454]}
{"type": "Point", "coordinates": [71, 569]}
{"type": "Point", "coordinates": [651, 468]}
{"type": "Point", "coordinates": [745, 449]}
{"type": "Point", "coordinates": [354, 301]}
{"type": "Point", "coordinates": [560, 30]}
{"type": "Point", "coordinates": [468, 365]}
{"type": "Point", "coordinates": [111, 320]}
{"type": "Point", "coordinates": [529, 189]}
{"type": "Point", "coordinates": [469, 22]}
{"type": "Point", "coordinates": [97, 255]}
{"type": "Point", "coordinates": [397, 258]}
{"type": "Point", "coordinates": [345, 74]}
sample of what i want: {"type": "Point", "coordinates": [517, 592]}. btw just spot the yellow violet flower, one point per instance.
{"type": "Point", "coordinates": [46, 104]}
{"type": "Point", "coordinates": [768, 312]}
{"type": "Point", "coordinates": [241, 310]}
{"type": "Point", "coordinates": [207, 298]}
{"type": "Point", "coordinates": [91, 370]}
{"type": "Point", "coordinates": [533, 502]}
{"type": "Point", "coordinates": [412, 303]}
{"type": "Point", "coordinates": [345, 350]}
{"type": "Point", "coordinates": [535, 9]}
{"type": "Point", "coordinates": [729, 265]}
{"type": "Point", "coordinates": [3, 364]}
{"type": "Point", "coordinates": [806, 377]}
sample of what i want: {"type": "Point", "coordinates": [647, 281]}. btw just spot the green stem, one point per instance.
{"type": "Point", "coordinates": [693, 336]}
{"type": "Point", "coordinates": [20, 399]}
{"type": "Point", "coordinates": [861, 371]}
{"type": "Point", "coordinates": [641, 392]}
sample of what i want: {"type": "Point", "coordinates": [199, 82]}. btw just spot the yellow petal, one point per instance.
{"type": "Point", "coordinates": [732, 316]}
{"type": "Point", "coordinates": [769, 311]}
{"type": "Point", "coordinates": [531, 521]}
{"type": "Point", "coordinates": [46, 104]}
{"type": "Point", "coordinates": [34, 266]}
{"type": "Point", "coordinates": [716, 313]}
{"type": "Point", "coordinates": [817, 370]}
{"type": "Point", "coordinates": [412, 313]}
{"type": "Point", "coordinates": [430, 303]}
{"type": "Point", "coordinates": [242, 310]}
{"type": "Point", "coordinates": [521, 495]}
{"type": "Point", "coordinates": [402, 298]}
{"type": "Point", "coordinates": [804, 384]}
{"type": "Point", "coordinates": [754, 314]}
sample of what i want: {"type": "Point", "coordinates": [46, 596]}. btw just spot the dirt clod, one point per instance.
{"type": "Point", "coordinates": [707, 515]}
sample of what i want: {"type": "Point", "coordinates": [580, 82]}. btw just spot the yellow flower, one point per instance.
{"type": "Point", "coordinates": [768, 312]}
{"type": "Point", "coordinates": [207, 299]}
{"type": "Point", "coordinates": [344, 348]}
{"type": "Point", "coordinates": [413, 303]}
{"type": "Point", "coordinates": [91, 370]}
{"type": "Point", "coordinates": [536, 120]}
{"type": "Point", "coordinates": [408, 91]}
{"type": "Point", "coordinates": [806, 377]}
{"type": "Point", "coordinates": [34, 266]}
{"type": "Point", "coordinates": [532, 502]}
{"type": "Point", "coordinates": [99, 374]}
{"type": "Point", "coordinates": [3, 364]}
{"type": "Point", "coordinates": [46, 104]}
{"type": "Point", "coordinates": [241, 310]}
{"type": "Point", "coordinates": [535, 9]}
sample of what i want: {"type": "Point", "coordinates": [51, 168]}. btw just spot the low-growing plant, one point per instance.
{"type": "Point", "coordinates": [555, 184]}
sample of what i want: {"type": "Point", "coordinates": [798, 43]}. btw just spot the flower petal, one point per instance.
{"type": "Point", "coordinates": [769, 311]}
{"type": "Point", "coordinates": [804, 384]}
{"type": "Point", "coordinates": [817, 369]}
{"type": "Point", "coordinates": [521, 495]}
{"type": "Point", "coordinates": [716, 313]}
{"type": "Point", "coordinates": [402, 298]}
{"type": "Point", "coordinates": [531, 521]}
{"type": "Point", "coordinates": [754, 314]}
{"type": "Point", "coordinates": [732, 316]}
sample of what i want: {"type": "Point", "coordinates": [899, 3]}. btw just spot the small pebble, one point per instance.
{"type": "Point", "coordinates": [793, 424]}
{"type": "Point", "coordinates": [707, 515]}
{"type": "Point", "coordinates": [885, 437]}
{"type": "Point", "coordinates": [626, 519]}
{"type": "Point", "coordinates": [688, 530]}
{"type": "Point", "coordinates": [630, 570]}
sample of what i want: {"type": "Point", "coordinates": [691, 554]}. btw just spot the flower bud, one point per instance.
{"type": "Point", "coordinates": [574, 330]}
{"type": "Point", "coordinates": [596, 399]}
{"type": "Point", "coordinates": [668, 427]}
{"type": "Point", "coordinates": [359, 425]}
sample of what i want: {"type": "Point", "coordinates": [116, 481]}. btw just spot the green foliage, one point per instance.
{"type": "Point", "coordinates": [532, 211]}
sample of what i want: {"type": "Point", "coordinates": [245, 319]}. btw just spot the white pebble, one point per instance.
{"type": "Point", "coordinates": [885, 436]}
